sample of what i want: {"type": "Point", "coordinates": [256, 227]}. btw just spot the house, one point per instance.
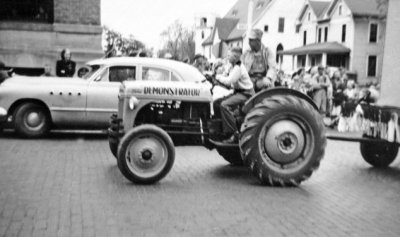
{"type": "Point", "coordinates": [229, 30]}
{"type": "Point", "coordinates": [33, 33]}
{"type": "Point", "coordinates": [341, 33]}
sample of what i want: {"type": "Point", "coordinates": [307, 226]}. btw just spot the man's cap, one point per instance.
{"type": "Point", "coordinates": [2, 65]}
{"type": "Point", "coordinates": [320, 67]}
{"type": "Point", "coordinates": [255, 34]}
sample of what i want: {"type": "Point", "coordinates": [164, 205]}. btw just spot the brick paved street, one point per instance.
{"type": "Point", "coordinates": [69, 185]}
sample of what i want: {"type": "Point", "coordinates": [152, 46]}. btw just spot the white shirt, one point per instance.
{"type": "Point", "coordinates": [237, 78]}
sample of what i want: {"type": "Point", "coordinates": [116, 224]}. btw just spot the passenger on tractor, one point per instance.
{"type": "Point", "coordinates": [239, 80]}
{"type": "Point", "coordinates": [259, 62]}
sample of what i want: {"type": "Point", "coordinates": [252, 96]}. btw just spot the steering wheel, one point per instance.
{"type": "Point", "coordinates": [214, 82]}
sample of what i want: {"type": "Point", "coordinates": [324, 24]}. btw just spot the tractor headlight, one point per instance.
{"type": "Point", "coordinates": [133, 102]}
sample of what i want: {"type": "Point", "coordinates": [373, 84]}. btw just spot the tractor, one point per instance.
{"type": "Point", "coordinates": [282, 135]}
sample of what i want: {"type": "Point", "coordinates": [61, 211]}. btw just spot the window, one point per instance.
{"type": "Point", "coordinates": [27, 10]}
{"type": "Point", "coordinates": [203, 22]}
{"type": "Point", "coordinates": [371, 67]}
{"type": "Point", "coordinates": [260, 4]}
{"type": "Point", "coordinates": [373, 33]}
{"type": "Point", "coordinates": [343, 33]}
{"type": "Point", "coordinates": [202, 34]}
{"type": "Point", "coordinates": [281, 26]}
{"type": "Point", "coordinates": [154, 74]}
{"type": "Point", "coordinates": [340, 10]}
{"type": "Point", "coordinates": [266, 28]}
{"type": "Point", "coordinates": [326, 34]}
{"type": "Point", "coordinates": [234, 12]}
{"type": "Point", "coordinates": [174, 77]}
{"type": "Point", "coordinates": [309, 16]}
{"type": "Point", "coordinates": [298, 28]}
{"type": "Point", "coordinates": [304, 37]}
{"type": "Point", "coordinates": [120, 74]}
{"type": "Point", "coordinates": [279, 57]}
{"type": "Point", "coordinates": [319, 35]}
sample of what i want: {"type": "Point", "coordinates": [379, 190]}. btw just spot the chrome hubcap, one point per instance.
{"type": "Point", "coordinates": [284, 141]}
{"type": "Point", "coordinates": [147, 155]}
{"type": "Point", "coordinates": [33, 119]}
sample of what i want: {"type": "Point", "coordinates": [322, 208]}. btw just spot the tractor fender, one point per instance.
{"type": "Point", "coordinates": [257, 98]}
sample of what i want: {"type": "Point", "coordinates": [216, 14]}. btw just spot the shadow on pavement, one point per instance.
{"type": "Point", "coordinates": [235, 173]}
{"type": "Point", "coordinates": [60, 135]}
{"type": "Point", "coordinates": [388, 173]}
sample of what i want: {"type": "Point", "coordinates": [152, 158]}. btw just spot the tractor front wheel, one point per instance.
{"type": "Point", "coordinates": [146, 154]}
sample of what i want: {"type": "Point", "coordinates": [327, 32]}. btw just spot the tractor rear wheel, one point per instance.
{"type": "Point", "coordinates": [282, 140]}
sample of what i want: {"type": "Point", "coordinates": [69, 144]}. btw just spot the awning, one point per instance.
{"type": "Point", "coordinates": [318, 48]}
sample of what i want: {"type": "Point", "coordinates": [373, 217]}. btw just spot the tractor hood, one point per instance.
{"type": "Point", "coordinates": [166, 90]}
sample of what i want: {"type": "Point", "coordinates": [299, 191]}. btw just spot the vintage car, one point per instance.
{"type": "Point", "coordinates": [34, 105]}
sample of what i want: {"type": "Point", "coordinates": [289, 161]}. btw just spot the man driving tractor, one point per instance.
{"type": "Point", "coordinates": [239, 80]}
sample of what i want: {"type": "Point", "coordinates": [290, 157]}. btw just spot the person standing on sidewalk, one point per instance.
{"type": "Point", "coordinates": [259, 62]}
{"type": "Point", "coordinates": [65, 67]}
{"type": "Point", "coordinates": [320, 84]}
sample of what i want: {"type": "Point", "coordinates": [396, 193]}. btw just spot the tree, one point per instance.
{"type": "Point", "coordinates": [178, 41]}
{"type": "Point", "coordinates": [128, 44]}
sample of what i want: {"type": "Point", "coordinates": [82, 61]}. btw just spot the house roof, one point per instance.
{"type": "Point", "coordinates": [364, 7]}
{"type": "Point", "coordinates": [223, 26]}
{"type": "Point", "coordinates": [318, 48]}
{"type": "Point", "coordinates": [240, 11]}
{"type": "Point", "coordinates": [319, 7]}
{"type": "Point", "coordinates": [360, 8]}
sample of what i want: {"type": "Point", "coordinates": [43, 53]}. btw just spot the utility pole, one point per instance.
{"type": "Point", "coordinates": [250, 10]}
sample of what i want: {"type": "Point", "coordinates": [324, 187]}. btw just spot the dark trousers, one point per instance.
{"type": "Point", "coordinates": [226, 106]}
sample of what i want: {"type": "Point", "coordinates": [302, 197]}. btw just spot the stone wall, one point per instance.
{"type": "Point", "coordinates": [33, 44]}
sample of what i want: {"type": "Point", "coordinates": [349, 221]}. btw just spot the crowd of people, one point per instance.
{"type": "Point", "coordinates": [332, 90]}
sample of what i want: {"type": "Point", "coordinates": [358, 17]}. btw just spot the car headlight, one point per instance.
{"type": "Point", "coordinates": [133, 102]}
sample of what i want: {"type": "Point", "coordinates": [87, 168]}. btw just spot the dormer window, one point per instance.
{"type": "Point", "coordinates": [203, 22]}
{"type": "Point", "coordinates": [234, 12]}
{"type": "Point", "coordinates": [309, 16]}
{"type": "Point", "coordinates": [340, 10]}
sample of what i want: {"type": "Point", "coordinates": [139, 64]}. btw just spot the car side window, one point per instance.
{"type": "Point", "coordinates": [154, 74]}
{"type": "Point", "coordinates": [122, 73]}
{"type": "Point", "coordinates": [174, 77]}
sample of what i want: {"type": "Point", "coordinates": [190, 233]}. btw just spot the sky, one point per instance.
{"type": "Point", "coordinates": [146, 19]}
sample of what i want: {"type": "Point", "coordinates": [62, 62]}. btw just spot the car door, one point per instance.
{"type": "Point", "coordinates": [67, 101]}
{"type": "Point", "coordinates": [102, 94]}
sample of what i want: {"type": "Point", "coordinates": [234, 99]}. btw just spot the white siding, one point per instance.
{"type": "Point", "coordinates": [288, 9]}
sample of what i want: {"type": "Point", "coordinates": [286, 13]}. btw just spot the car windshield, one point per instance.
{"type": "Point", "coordinates": [93, 69]}
{"type": "Point", "coordinates": [193, 75]}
